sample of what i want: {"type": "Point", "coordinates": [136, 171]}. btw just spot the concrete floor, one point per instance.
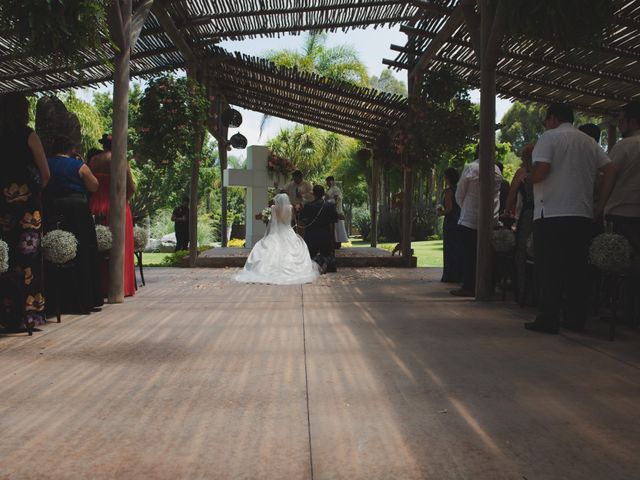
{"type": "Point", "coordinates": [366, 374]}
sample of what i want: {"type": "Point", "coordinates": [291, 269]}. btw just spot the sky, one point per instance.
{"type": "Point", "coordinates": [373, 45]}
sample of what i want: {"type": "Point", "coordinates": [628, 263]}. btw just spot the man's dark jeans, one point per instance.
{"type": "Point", "coordinates": [561, 256]}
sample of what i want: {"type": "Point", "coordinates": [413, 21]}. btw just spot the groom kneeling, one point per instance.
{"type": "Point", "coordinates": [318, 217]}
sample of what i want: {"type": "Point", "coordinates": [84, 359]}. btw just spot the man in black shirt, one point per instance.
{"type": "Point", "coordinates": [180, 217]}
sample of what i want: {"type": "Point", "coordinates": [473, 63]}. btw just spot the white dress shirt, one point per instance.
{"type": "Point", "coordinates": [575, 159]}
{"type": "Point", "coordinates": [468, 194]}
{"type": "Point", "coordinates": [625, 196]}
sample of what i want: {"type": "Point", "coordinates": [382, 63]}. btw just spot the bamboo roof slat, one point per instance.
{"type": "Point", "coordinates": [596, 79]}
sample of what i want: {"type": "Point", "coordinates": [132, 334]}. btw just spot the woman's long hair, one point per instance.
{"type": "Point", "coordinates": [14, 110]}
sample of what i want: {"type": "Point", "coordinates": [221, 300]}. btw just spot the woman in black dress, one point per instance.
{"type": "Point", "coordinates": [452, 271]}
{"type": "Point", "coordinates": [67, 207]}
{"type": "Point", "coordinates": [24, 173]}
{"type": "Point", "coordinates": [520, 205]}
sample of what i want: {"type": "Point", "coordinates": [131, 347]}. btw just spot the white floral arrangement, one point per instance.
{"type": "Point", "coordinates": [610, 252]}
{"type": "Point", "coordinates": [59, 246]}
{"type": "Point", "coordinates": [266, 214]}
{"type": "Point", "coordinates": [104, 237]}
{"type": "Point", "coordinates": [140, 238]}
{"type": "Point", "coordinates": [4, 256]}
{"type": "Point", "coordinates": [530, 251]}
{"type": "Point", "coordinates": [503, 240]}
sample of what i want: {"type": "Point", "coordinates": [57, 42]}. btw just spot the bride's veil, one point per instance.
{"type": "Point", "coordinates": [280, 214]}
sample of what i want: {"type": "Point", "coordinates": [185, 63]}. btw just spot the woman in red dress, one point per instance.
{"type": "Point", "coordinates": [99, 205]}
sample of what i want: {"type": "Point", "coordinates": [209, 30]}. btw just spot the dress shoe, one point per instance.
{"type": "Point", "coordinates": [539, 327]}
{"type": "Point", "coordinates": [461, 292]}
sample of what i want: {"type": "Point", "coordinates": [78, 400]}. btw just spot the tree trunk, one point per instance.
{"type": "Point", "coordinates": [118, 187]}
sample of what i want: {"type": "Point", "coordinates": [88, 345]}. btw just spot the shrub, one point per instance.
{"type": "Point", "coordinates": [362, 221]}
{"type": "Point", "coordinates": [236, 243]}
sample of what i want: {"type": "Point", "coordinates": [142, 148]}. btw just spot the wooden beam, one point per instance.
{"type": "Point", "coordinates": [139, 17]}
{"type": "Point", "coordinates": [174, 34]}
{"type": "Point", "coordinates": [425, 6]}
{"type": "Point", "coordinates": [513, 53]}
{"type": "Point", "coordinates": [329, 25]}
{"type": "Point", "coordinates": [450, 27]}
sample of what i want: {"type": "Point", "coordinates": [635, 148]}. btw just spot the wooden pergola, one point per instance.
{"type": "Point", "coordinates": [154, 36]}
{"type": "Point", "coordinates": [468, 38]}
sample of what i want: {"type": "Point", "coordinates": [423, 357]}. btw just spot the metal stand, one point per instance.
{"type": "Point", "coordinates": [139, 259]}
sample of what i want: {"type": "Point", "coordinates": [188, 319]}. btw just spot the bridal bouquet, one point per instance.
{"type": "Point", "coordinates": [266, 215]}
{"type": "Point", "coordinates": [610, 252]}
{"type": "Point", "coordinates": [140, 238]}
{"type": "Point", "coordinates": [503, 240]}
{"type": "Point", "coordinates": [59, 247]}
{"type": "Point", "coordinates": [4, 256]}
{"type": "Point", "coordinates": [104, 237]}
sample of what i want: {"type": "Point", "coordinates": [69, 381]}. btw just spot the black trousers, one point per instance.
{"type": "Point", "coordinates": [468, 241]}
{"type": "Point", "coordinates": [629, 227]}
{"type": "Point", "coordinates": [182, 236]}
{"type": "Point", "coordinates": [561, 255]}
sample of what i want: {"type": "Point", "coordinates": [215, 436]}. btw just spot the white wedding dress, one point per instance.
{"type": "Point", "coordinates": [281, 257]}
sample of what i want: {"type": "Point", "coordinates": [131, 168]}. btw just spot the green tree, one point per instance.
{"type": "Point", "coordinates": [522, 124]}
{"type": "Point", "coordinates": [311, 150]}
{"type": "Point", "coordinates": [340, 62]}
{"type": "Point", "coordinates": [91, 122]}
{"type": "Point", "coordinates": [386, 82]}
{"type": "Point", "coordinates": [58, 28]}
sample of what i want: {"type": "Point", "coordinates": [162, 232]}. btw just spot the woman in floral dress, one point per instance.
{"type": "Point", "coordinates": [24, 173]}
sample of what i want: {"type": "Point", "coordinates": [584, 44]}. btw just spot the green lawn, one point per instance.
{"type": "Point", "coordinates": [154, 259]}
{"type": "Point", "coordinates": [428, 252]}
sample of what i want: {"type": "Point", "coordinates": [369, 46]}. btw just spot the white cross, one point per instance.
{"type": "Point", "coordinates": [256, 180]}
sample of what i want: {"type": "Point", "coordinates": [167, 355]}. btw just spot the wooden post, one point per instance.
{"type": "Point", "coordinates": [224, 204]}
{"type": "Point", "coordinates": [491, 27]}
{"type": "Point", "coordinates": [612, 135]}
{"type": "Point", "coordinates": [407, 160]}
{"type": "Point", "coordinates": [375, 181]}
{"type": "Point", "coordinates": [120, 23]}
{"type": "Point", "coordinates": [198, 74]}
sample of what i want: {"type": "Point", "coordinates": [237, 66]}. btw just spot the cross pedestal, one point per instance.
{"type": "Point", "coordinates": [256, 180]}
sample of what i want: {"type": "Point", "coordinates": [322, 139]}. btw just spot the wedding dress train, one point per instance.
{"type": "Point", "coordinates": [282, 256]}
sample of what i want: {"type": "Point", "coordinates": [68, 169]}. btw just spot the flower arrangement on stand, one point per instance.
{"type": "Point", "coordinates": [503, 240]}
{"type": "Point", "coordinates": [140, 238]}
{"type": "Point", "coordinates": [4, 256]}
{"type": "Point", "coordinates": [104, 237]}
{"type": "Point", "coordinates": [610, 252]}
{"type": "Point", "coordinates": [279, 166]}
{"type": "Point", "coordinates": [59, 247]}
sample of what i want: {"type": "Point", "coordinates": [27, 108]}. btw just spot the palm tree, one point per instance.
{"type": "Point", "coordinates": [313, 151]}
{"type": "Point", "coordinates": [339, 63]}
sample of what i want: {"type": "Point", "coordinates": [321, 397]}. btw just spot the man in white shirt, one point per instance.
{"type": "Point", "coordinates": [620, 198]}
{"type": "Point", "coordinates": [565, 166]}
{"type": "Point", "coordinates": [468, 197]}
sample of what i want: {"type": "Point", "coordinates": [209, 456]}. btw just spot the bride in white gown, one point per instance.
{"type": "Point", "coordinates": [281, 257]}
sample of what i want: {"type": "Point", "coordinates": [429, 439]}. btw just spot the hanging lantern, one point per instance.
{"type": "Point", "coordinates": [231, 118]}
{"type": "Point", "coordinates": [238, 141]}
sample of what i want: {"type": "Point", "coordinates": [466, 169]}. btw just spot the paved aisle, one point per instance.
{"type": "Point", "coordinates": [201, 378]}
